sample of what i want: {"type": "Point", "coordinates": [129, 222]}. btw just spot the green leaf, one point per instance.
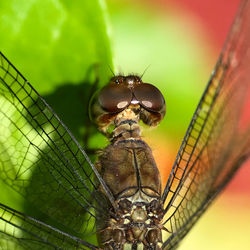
{"type": "Point", "coordinates": [55, 41]}
{"type": "Point", "coordinates": [61, 47]}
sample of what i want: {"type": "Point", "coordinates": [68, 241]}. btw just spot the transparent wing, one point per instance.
{"type": "Point", "coordinates": [18, 231]}
{"type": "Point", "coordinates": [217, 141]}
{"type": "Point", "coordinates": [41, 160]}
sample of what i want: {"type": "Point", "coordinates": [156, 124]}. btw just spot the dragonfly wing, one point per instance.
{"type": "Point", "coordinates": [217, 141]}
{"type": "Point", "coordinates": [41, 160]}
{"type": "Point", "coordinates": [23, 232]}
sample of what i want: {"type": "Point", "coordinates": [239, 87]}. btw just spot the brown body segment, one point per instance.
{"type": "Point", "coordinates": [127, 167]}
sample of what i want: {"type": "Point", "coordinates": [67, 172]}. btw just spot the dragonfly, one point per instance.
{"type": "Point", "coordinates": [118, 202]}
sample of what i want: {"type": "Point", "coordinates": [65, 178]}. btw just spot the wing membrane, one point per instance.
{"type": "Point", "coordinates": [218, 139]}
{"type": "Point", "coordinates": [23, 232]}
{"type": "Point", "coordinates": [41, 160]}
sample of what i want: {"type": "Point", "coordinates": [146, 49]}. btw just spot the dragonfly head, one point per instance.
{"type": "Point", "coordinates": [127, 92]}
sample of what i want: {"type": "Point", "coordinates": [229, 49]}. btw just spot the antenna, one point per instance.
{"type": "Point", "coordinates": [145, 71]}
{"type": "Point", "coordinates": [111, 70]}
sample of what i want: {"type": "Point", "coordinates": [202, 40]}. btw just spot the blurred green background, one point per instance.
{"type": "Point", "coordinates": [55, 44]}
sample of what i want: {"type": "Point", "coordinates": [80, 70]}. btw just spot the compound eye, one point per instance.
{"type": "Point", "coordinates": [114, 98]}
{"type": "Point", "coordinates": [117, 79]}
{"type": "Point", "coordinates": [149, 97]}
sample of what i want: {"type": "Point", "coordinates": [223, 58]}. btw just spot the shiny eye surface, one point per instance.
{"type": "Point", "coordinates": [149, 97]}
{"type": "Point", "coordinates": [114, 98]}
{"type": "Point", "coordinates": [117, 79]}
